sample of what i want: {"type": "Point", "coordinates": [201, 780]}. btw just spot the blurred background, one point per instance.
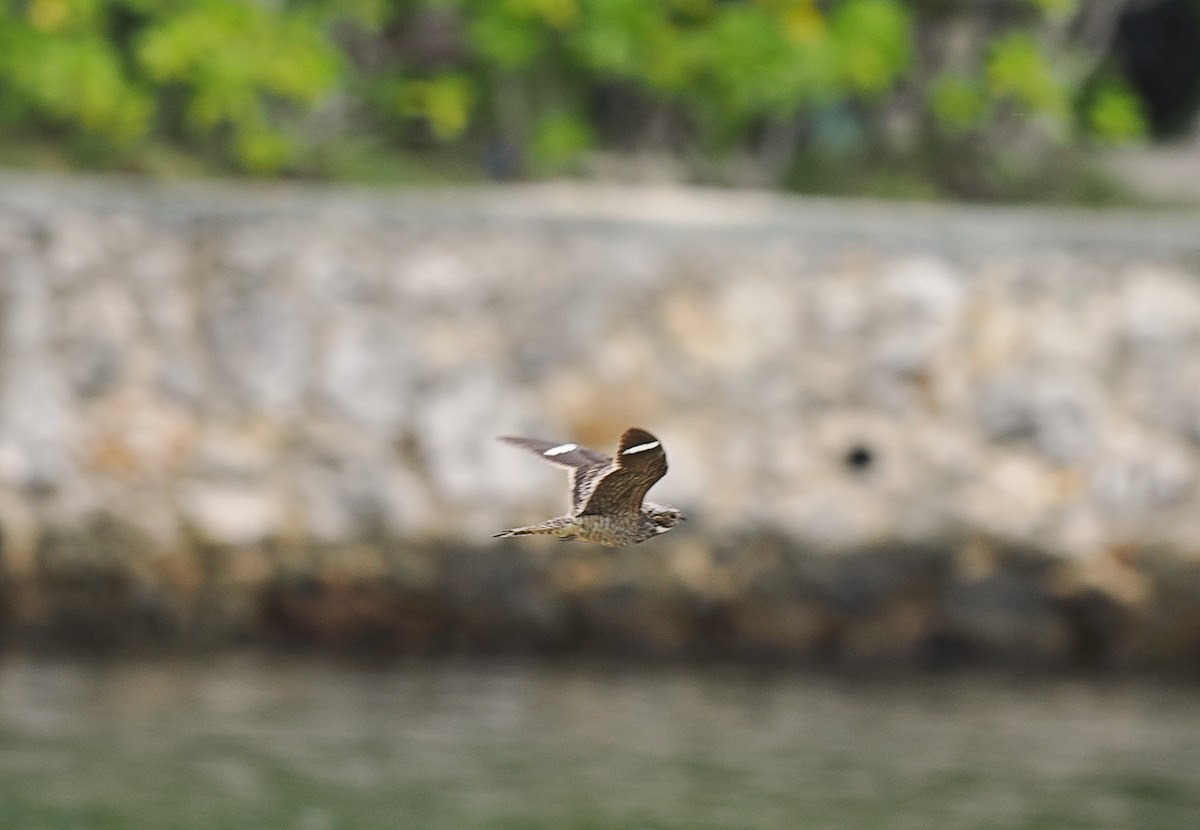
{"type": "Point", "coordinates": [910, 291]}
{"type": "Point", "coordinates": [994, 99]}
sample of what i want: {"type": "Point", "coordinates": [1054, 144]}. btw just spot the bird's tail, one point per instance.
{"type": "Point", "coordinates": [552, 527]}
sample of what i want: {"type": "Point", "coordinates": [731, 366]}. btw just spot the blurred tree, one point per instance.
{"type": "Point", "coordinates": [1009, 111]}
{"type": "Point", "coordinates": [271, 87]}
{"type": "Point", "coordinates": [226, 71]}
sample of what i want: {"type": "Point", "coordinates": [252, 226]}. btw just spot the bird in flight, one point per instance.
{"type": "Point", "coordinates": [607, 495]}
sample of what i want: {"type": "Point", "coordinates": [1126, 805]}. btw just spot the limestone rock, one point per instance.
{"type": "Point", "coordinates": [278, 376]}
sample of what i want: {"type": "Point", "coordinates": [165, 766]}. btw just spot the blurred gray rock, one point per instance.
{"type": "Point", "coordinates": [272, 369]}
{"type": "Point", "coordinates": [841, 376]}
{"type": "Point", "coordinates": [1057, 412]}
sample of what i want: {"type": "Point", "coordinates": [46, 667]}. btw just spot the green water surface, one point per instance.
{"type": "Point", "coordinates": [249, 743]}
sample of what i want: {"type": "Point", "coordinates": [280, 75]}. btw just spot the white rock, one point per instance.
{"type": "Point", "coordinates": [232, 515]}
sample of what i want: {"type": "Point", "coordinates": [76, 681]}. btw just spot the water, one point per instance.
{"type": "Point", "coordinates": [243, 743]}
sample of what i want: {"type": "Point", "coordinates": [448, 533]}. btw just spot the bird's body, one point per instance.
{"type": "Point", "coordinates": [610, 531]}
{"type": "Point", "coordinates": [608, 504]}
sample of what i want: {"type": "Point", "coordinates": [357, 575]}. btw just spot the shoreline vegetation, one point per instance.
{"type": "Point", "coordinates": [878, 98]}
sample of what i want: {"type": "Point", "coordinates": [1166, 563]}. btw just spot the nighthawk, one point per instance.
{"type": "Point", "coordinates": [607, 506]}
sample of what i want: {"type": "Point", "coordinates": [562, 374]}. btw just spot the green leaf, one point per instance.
{"type": "Point", "coordinates": [445, 102]}
{"type": "Point", "coordinates": [1115, 115]}
{"type": "Point", "coordinates": [557, 14]}
{"type": "Point", "coordinates": [754, 66]}
{"type": "Point", "coordinates": [262, 150]}
{"type": "Point", "coordinates": [959, 104]}
{"type": "Point", "coordinates": [1018, 69]}
{"type": "Point", "coordinates": [613, 36]}
{"type": "Point", "coordinates": [77, 78]}
{"type": "Point", "coordinates": [559, 140]}
{"type": "Point", "coordinates": [506, 40]}
{"type": "Point", "coordinates": [672, 59]}
{"type": "Point", "coordinates": [874, 40]}
{"type": "Point", "coordinates": [1057, 10]}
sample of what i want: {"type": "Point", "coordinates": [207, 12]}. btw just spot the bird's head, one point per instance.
{"type": "Point", "coordinates": [662, 516]}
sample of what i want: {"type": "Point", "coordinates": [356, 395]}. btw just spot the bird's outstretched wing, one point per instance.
{"type": "Point", "coordinates": [640, 462]}
{"type": "Point", "coordinates": [582, 465]}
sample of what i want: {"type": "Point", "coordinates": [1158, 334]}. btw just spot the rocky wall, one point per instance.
{"type": "Point", "coordinates": [250, 408]}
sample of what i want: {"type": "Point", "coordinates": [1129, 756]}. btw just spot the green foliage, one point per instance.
{"type": "Point", "coordinates": [54, 61]}
{"type": "Point", "coordinates": [874, 44]}
{"type": "Point", "coordinates": [620, 39]}
{"type": "Point", "coordinates": [1017, 75]}
{"type": "Point", "coordinates": [560, 139]}
{"type": "Point", "coordinates": [753, 68]}
{"type": "Point", "coordinates": [958, 103]}
{"type": "Point", "coordinates": [113, 68]}
{"type": "Point", "coordinates": [1019, 70]}
{"type": "Point", "coordinates": [1115, 116]}
{"type": "Point", "coordinates": [506, 40]}
{"type": "Point", "coordinates": [233, 58]}
{"type": "Point", "coordinates": [443, 102]}
{"type": "Point", "coordinates": [247, 81]}
{"type": "Point", "coordinates": [1057, 10]}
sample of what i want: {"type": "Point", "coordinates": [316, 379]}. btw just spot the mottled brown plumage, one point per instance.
{"type": "Point", "coordinates": [608, 504]}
